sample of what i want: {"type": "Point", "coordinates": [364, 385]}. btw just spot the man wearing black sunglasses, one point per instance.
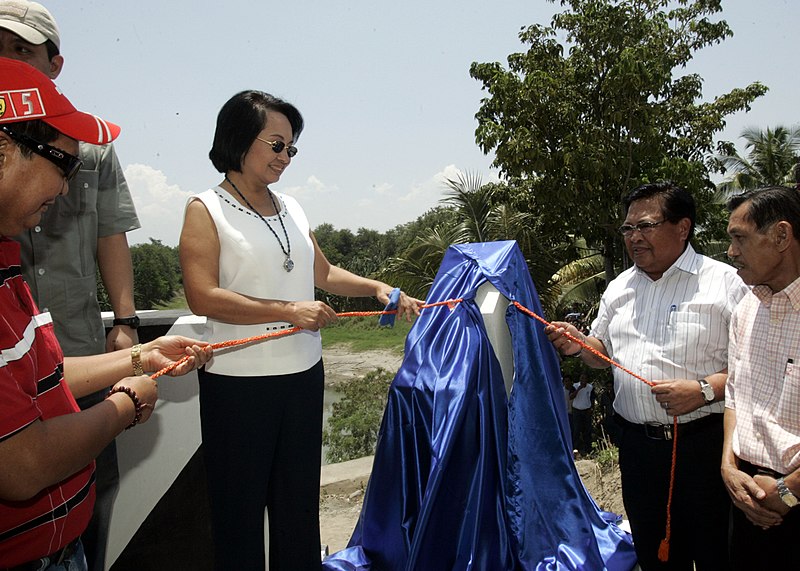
{"type": "Point", "coordinates": [79, 233]}
{"type": "Point", "coordinates": [69, 164]}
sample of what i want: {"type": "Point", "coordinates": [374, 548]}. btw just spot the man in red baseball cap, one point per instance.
{"type": "Point", "coordinates": [34, 114]}
{"type": "Point", "coordinates": [81, 236]}
{"type": "Point", "coordinates": [47, 444]}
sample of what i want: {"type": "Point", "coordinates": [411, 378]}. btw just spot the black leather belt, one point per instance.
{"type": "Point", "coordinates": [53, 559]}
{"type": "Point", "coordinates": [754, 470]}
{"type": "Point", "coordinates": [658, 431]}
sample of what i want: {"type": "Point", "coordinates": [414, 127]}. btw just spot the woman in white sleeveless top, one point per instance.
{"type": "Point", "coordinates": [250, 263]}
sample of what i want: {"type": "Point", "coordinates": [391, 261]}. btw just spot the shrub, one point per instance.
{"type": "Point", "coordinates": [352, 430]}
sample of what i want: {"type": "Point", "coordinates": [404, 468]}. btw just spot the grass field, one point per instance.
{"type": "Point", "coordinates": [364, 334]}
{"type": "Point", "coordinates": [177, 302]}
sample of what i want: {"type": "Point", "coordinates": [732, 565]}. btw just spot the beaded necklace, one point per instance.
{"type": "Point", "coordinates": [288, 263]}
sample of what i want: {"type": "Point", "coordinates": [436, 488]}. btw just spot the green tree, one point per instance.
{"type": "Point", "coordinates": [594, 107]}
{"type": "Point", "coordinates": [352, 430]}
{"type": "Point", "coordinates": [156, 273]}
{"type": "Point", "coordinates": [156, 276]}
{"type": "Point", "coordinates": [414, 269]}
{"type": "Point", "coordinates": [362, 254]}
{"type": "Point", "coordinates": [771, 159]}
{"type": "Point", "coordinates": [337, 244]}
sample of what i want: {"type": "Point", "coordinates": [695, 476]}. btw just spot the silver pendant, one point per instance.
{"type": "Point", "coordinates": [288, 264]}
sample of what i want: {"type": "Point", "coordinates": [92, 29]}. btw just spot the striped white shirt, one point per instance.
{"type": "Point", "coordinates": [764, 378]}
{"type": "Point", "coordinates": [673, 328]}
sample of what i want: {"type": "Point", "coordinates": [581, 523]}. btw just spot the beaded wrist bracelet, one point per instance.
{"type": "Point", "coordinates": [138, 406]}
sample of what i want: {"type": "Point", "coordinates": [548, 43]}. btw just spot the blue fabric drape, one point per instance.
{"type": "Point", "coordinates": [463, 477]}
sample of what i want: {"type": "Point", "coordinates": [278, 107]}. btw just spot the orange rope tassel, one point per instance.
{"type": "Point", "coordinates": [663, 549]}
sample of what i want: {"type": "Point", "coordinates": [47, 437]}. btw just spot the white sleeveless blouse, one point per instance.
{"type": "Point", "coordinates": [251, 263]}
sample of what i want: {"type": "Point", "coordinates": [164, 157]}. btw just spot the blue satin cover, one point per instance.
{"type": "Point", "coordinates": [465, 478]}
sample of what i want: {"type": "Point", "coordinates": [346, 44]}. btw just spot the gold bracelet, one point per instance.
{"type": "Point", "coordinates": [136, 359]}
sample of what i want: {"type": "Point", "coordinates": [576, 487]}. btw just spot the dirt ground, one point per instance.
{"type": "Point", "coordinates": [339, 512]}
{"type": "Point", "coordinates": [342, 365]}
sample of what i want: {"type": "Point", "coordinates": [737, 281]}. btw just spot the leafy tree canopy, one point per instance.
{"type": "Point", "coordinates": [156, 276]}
{"type": "Point", "coordinates": [594, 107]}
{"type": "Point", "coordinates": [156, 273]}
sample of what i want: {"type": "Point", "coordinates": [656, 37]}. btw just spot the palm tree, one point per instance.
{"type": "Point", "coordinates": [579, 284]}
{"type": "Point", "coordinates": [480, 217]}
{"type": "Point", "coordinates": [771, 159]}
{"type": "Point", "coordinates": [414, 270]}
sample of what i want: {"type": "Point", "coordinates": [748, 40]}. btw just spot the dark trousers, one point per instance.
{"type": "Point", "coordinates": [582, 430]}
{"type": "Point", "coordinates": [756, 549]}
{"type": "Point", "coordinates": [700, 502]}
{"type": "Point", "coordinates": [95, 537]}
{"type": "Point", "coordinates": [262, 440]}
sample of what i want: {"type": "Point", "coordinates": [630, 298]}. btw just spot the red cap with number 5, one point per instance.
{"type": "Point", "coordinates": [27, 94]}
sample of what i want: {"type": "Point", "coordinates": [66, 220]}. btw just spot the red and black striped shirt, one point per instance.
{"type": "Point", "coordinates": [32, 388]}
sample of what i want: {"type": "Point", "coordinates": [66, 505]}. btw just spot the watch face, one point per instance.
{"type": "Point", "coordinates": [785, 493]}
{"type": "Point", "coordinates": [708, 392]}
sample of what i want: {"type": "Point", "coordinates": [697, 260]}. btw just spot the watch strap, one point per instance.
{"type": "Point", "coordinates": [132, 321]}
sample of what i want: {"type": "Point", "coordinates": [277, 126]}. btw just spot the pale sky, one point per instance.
{"type": "Point", "coordinates": [384, 88]}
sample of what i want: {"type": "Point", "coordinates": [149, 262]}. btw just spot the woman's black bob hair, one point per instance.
{"type": "Point", "coordinates": [240, 121]}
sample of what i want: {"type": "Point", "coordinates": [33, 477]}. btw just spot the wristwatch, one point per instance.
{"type": "Point", "coordinates": [785, 493]}
{"type": "Point", "coordinates": [132, 321]}
{"type": "Point", "coordinates": [707, 391]}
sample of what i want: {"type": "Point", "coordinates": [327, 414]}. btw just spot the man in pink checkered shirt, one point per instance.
{"type": "Point", "coordinates": [761, 454]}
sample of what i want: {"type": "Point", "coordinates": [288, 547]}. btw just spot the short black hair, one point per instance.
{"type": "Point", "coordinates": [768, 205]}
{"type": "Point", "coordinates": [37, 130]}
{"type": "Point", "coordinates": [240, 121]}
{"type": "Point", "coordinates": [677, 202]}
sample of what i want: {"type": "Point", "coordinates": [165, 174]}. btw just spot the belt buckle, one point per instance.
{"type": "Point", "coordinates": [658, 431]}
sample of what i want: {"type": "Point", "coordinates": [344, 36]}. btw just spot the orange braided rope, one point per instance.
{"type": "Point", "coordinates": [663, 550]}
{"type": "Point", "coordinates": [583, 344]}
{"type": "Point", "coordinates": [451, 303]}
